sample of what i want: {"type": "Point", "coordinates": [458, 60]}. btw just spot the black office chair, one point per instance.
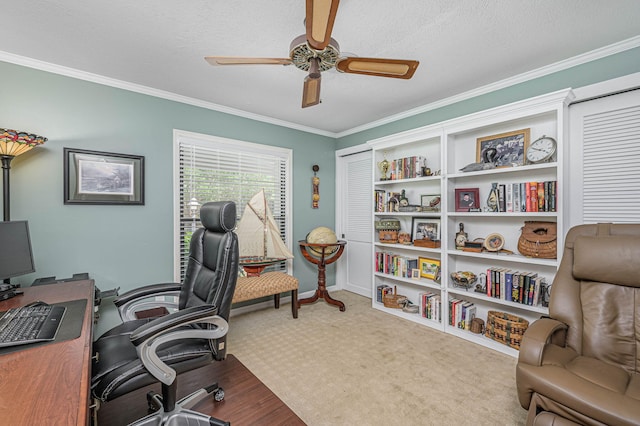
{"type": "Point", "coordinates": [141, 352]}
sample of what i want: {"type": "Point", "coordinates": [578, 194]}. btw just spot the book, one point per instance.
{"type": "Point", "coordinates": [508, 285]}
{"type": "Point", "coordinates": [501, 198]}
{"type": "Point", "coordinates": [517, 204]}
{"type": "Point", "coordinates": [464, 312]}
{"type": "Point", "coordinates": [533, 189]}
{"type": "Point", "coordinates": [508, 198]}
{"type": "Point", "coordinates": [541, 200]}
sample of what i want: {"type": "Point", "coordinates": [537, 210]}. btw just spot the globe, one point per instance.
{"type": "Point", "coordinates": [322, 235]}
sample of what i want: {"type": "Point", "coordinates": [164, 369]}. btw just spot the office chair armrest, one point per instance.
{"type": "Point", "coordinates": [146, 291]}
{"type": "Point", "coordinates": [149, 337]}
{"type": "Point", "coordinates": [540, 333]}
{"type": "Point", "coordinates": [167, 322]}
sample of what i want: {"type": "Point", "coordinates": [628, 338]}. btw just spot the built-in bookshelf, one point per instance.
{"type": "Point", "coordinates": [420, 178]}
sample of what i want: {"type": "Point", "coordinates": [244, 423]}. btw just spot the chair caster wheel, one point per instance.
{"type": "Point", "coordinates": [218, 395]}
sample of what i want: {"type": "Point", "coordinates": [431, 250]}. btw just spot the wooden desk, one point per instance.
{"type": "Point", "coordinates": [49, 384]}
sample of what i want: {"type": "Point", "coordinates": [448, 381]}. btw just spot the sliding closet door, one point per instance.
{"type": "Point", "coordinates": [604, 144]}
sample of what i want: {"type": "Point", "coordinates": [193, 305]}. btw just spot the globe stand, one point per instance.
{"type": "Point", "coordinates": [326, 258]}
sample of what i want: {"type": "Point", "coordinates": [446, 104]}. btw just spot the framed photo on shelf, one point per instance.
{"type": "Point", "coordinates": [95, 177]}
{"type": "Point", "coordinates": [467, 198]}
{"type": "Point", "coordinates": [430, 203]}
{"type": "Point", "coordinates": [428, 267]}
{"type": "Point", "coordinates": [509, 147]}
{"type": "Point", "coordinates": [415, 274]}
{"type": "Point", "coordinates": [425, 228]}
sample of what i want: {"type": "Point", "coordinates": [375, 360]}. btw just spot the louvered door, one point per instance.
{"type": "Point", "coordinates": [605, 151]}
{"type": "Point", "coordinates": [356, 199]}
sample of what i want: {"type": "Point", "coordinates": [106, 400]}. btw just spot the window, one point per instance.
{"type": "Point", "coordinates": [209, 168]}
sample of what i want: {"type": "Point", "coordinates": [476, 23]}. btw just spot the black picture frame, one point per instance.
{"type": "Point", "coordinates": [425, 228]}
{"type": "Point", "coordinates": [97, 177]}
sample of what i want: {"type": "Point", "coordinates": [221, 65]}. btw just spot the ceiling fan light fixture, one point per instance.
{"type": "Point", "coordinates": [314, 68]}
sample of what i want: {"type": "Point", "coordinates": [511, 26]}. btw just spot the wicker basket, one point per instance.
{"type": "Point", "coordinates": [394, 300]}
{"type": "Point", "coordinates": [505, 328]}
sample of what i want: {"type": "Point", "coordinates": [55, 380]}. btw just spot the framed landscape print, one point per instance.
{"type": "Point", "coordinates": [428, 267]}
{"type": "Point", "coordinates": [95, 177]}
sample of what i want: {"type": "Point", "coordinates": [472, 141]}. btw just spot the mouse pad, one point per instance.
{"type": "Point", "coordinates": [70, 328]}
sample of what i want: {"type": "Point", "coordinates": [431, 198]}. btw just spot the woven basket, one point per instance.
{"type": "Point", "coordinates": [539, 239]}
{"type": "Point", "coordinates": [505, 328]}
{"type": "Point", "coordinates": [394, 300]}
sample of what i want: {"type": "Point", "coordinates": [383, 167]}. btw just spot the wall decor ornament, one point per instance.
{"type": "Point", "coordinates": [315, 183]}
{"type": "Point", "coordinates": [96, 177]}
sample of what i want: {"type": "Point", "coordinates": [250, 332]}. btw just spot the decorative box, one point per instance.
{"type": "Point", "coordinates": [427, 243]}
{"type": "Point", "coordinates": [388, 230]}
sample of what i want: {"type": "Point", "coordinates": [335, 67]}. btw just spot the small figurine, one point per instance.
{"type": "Point", "coordinates": [461, 237]}
{"type": "Point", "coordinates": [488, 161]}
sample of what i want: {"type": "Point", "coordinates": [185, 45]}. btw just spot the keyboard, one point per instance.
{"type": "Point", "coordinates": [30, 324]}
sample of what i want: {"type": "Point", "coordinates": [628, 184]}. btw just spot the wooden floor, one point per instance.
{"type": "Point", "coordinates": [247, 400]}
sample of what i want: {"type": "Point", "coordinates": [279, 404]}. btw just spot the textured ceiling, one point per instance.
{"type": "Point", "coordinates": [461, 45]}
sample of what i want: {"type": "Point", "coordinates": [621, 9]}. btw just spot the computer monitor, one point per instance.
{"type": "Point", "coordinates": [16, 257]}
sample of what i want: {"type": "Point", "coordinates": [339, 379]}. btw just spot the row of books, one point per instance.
{"type": "Point", "coordinates": [461, 312]}
{"type": "Point", "coordinates": [429, 306]}
{"type": "Point", "coordinates": [514, 286]}
{"type": "Point", "coordinates": [527, 197]}
{"type": "Point", "coordinates": [407, 168]}
{"type": "Point", "coordinates": [394, 264]}
{"type": "Point", "coordinates": [385, 201]}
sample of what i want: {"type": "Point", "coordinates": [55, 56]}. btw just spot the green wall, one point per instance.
{"type": "Point", "coordinates": [620, 64]}
{"type": "Point", "coordinates": [128, 246]}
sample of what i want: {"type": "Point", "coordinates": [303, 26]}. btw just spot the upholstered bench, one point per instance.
{"type": "Point", "coordinates": [267, 284]}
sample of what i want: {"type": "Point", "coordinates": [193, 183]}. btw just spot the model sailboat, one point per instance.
{"type": "Point", "coordinates": [259, 238]}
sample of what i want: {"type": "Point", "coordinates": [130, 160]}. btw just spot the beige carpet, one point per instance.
{"type": "Point", "coordinates": [365, 367]}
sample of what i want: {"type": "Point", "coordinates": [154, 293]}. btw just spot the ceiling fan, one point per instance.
{"type": "Point", "coordinates": [316, 52]}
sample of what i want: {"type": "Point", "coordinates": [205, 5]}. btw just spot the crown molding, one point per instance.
{"type": "Point", "coordinates": [520, 78]}
{"type": "Point", "coordinates": [137, 88]}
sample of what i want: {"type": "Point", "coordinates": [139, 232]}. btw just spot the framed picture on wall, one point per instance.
{"type": "Point", "coordinates": [95, 177]}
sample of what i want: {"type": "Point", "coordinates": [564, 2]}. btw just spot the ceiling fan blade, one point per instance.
{"type": "Point", "coordinates": [240, 60]}
{"type": "Point", "coordinates": [311, 92]}
{"type": "Point", "coordinates": [396, 68]}
{"type": "Point", "coordinates": [319, 22]}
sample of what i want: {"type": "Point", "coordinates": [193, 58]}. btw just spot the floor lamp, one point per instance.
{"type": "Point", "coordinates": [12, 144]}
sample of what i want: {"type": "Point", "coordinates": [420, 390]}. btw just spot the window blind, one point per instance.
{"type": "Point", "coordinates": [223, 170]}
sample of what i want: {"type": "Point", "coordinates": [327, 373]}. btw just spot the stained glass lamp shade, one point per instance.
{"type": "Point", "coordinates": [12, 144]}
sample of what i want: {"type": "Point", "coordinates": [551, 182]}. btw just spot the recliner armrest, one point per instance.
{"type": "Point", "coordinates": [145, 291]}
{"type": "Point", "coordinates": [538, 334]}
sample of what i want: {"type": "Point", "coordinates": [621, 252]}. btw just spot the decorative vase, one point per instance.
{"type": "Point", "coordinates": [492, 199]}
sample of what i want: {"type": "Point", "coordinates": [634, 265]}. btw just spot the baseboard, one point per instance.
{"type": "Point", "coordinates": [269, 303]}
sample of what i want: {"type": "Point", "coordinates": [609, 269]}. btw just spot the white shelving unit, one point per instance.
{"type": "Point", "coordinates": [448, 147]}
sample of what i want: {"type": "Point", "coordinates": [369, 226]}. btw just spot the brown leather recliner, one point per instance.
{"type": "Point", "coordinates": [580, 366]}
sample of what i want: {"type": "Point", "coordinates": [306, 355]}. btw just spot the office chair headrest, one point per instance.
{"type": "Point", "coordinates": [218, 216]}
